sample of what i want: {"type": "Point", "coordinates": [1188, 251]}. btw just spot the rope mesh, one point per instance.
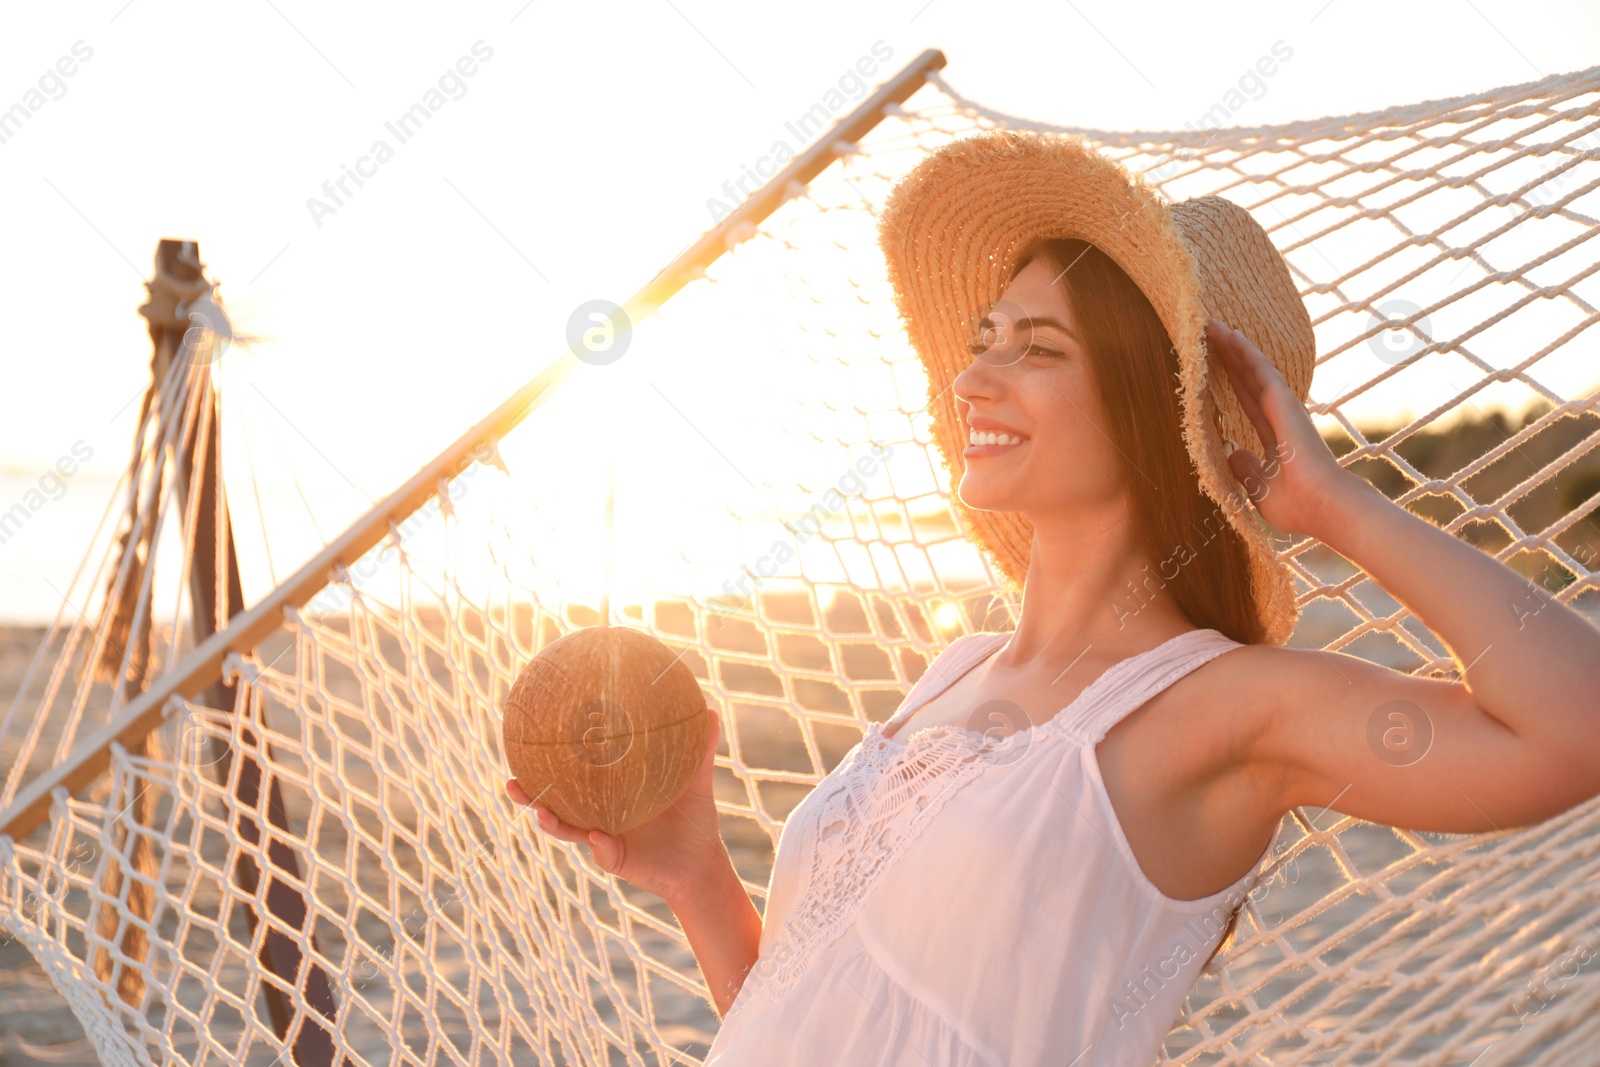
{"type": "Point", "coordinates": [1446, 253]}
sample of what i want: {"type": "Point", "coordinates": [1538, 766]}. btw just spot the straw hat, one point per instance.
{"type": "Point", "coordinates": [952, 230]}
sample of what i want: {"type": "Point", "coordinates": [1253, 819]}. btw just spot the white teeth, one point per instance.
{"type": "Point", "coordinates": [986, 437]}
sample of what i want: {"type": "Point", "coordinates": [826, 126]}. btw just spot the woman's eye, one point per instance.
{"type": "Point", "coordinates": [1033, 350]}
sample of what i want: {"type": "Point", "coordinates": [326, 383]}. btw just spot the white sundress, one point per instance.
{"type": "Point", "coordinates": [1011, 926]}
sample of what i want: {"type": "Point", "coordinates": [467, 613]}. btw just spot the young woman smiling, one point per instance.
{"type": "Point", "coordinates": [1033, 858]}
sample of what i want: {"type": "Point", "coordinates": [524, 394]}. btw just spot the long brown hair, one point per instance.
{"type": "Point", "coordinates": [1195, 555]}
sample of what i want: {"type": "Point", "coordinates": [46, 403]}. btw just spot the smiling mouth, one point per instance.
{"type": "Point", "coordinates": [990, 437]}
{"type": "Point", "coordinates": [984, 443]}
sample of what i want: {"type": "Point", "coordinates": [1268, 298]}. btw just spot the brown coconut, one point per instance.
{"type": "Point", "coordinates": [605, 727]}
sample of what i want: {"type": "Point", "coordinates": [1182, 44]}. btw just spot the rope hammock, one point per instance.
{"type": "Point", "coordinates": [281, 835]}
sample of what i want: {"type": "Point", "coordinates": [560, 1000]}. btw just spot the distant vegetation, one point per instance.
{"type": "Point", "coordinates": [1442, 453]}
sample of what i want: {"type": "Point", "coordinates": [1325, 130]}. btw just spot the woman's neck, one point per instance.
{"type": "Point", "coordinates": [1090, 583]}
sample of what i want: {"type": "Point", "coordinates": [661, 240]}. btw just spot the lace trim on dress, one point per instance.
{"type": "Point", "coordinates": [880, 800]}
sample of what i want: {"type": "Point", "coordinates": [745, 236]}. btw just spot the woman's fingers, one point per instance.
{"type": "Point", "coordinates": [546, 819]}
{"type": "Point", "coordinates": [550, 824]}
{"type": "Point", "coordinates": [607, 850]}
{"type": "Point", "coordinates": [1243, 366]}
{"type": "Point", "coordinates": [1247, 366]}
{"type": "Point", "coordinates": [702, 775]}
{"type": "Point", "coordinates": [1250, 472]}
{"type": "Point", "coordinates": [1281, 419]}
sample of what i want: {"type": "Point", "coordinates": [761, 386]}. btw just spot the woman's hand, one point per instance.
{"type": "Point", "coordinates": [671, 854]}
{"type": "Point", "coordinates": [1293, 486]}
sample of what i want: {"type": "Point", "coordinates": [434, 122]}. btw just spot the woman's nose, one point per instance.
{"type": "Point", "coordinates": [979, 379]}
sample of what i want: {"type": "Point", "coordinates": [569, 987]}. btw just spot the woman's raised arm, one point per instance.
{"type": "Point", "coordinates": [1517, 740]}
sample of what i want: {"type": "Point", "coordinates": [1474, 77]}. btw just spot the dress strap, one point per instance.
{"type": "Point", "coordinates": [950, 663]}
{"type": "Point", "coordinates": [1129, 684]}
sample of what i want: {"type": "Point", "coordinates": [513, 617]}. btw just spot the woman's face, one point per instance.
{"type": "Point", "coordinates": [1033, 380]}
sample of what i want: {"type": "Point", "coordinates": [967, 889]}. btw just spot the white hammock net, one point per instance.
{"type": "Point", "coordinates": [1446, 252]}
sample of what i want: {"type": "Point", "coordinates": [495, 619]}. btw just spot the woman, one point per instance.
{"type": "Point", "coordinates": [1032, 860]}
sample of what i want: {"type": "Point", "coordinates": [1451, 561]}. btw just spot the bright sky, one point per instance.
{"type": "Point", "coordinates": [572, 162]}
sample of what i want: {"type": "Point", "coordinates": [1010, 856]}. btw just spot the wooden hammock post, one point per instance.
{"type": "Point", "coordinates": [214, 574]}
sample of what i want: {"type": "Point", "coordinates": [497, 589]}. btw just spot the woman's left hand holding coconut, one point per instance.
{"type": "Point", "coordinates": [678, 854]}
{"type": "Point", "coordinates": [669, 854]}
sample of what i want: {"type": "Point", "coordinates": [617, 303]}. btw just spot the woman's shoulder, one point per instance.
{"type": "Point", "coordinates": [1231, 697]}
